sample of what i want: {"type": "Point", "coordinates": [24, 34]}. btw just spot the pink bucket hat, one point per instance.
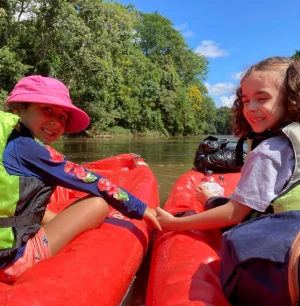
{"type": "Point", "coordinates": [38, 89]}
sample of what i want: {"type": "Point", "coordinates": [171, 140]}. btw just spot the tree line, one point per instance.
{"type": "Point", "coordinates": [132, 72]}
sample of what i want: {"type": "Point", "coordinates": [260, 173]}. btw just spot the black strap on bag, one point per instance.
{"type": "Point", "coordinates": [19, 221]}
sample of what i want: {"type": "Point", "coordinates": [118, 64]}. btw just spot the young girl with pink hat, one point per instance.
{"type": "Point", "coordinates": [39, 111]}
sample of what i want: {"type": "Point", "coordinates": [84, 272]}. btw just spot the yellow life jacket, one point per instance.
{"type": "Point", "coordinates": [23, 198]}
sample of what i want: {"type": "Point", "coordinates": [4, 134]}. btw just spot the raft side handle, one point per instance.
{"type": "Point", "coordinates": [136, 157]}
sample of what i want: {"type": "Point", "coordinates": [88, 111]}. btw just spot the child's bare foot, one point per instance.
{"type": "Point", "coordinates": [203, 194]}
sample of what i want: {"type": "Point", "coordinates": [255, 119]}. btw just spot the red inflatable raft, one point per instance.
{"type": "Point", "coordinates": [185, 265]}
{"type": "Point", "coordinates": [97, 267]}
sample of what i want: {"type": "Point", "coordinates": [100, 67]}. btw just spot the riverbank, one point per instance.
{"type": "Point", "coordinates": [121, 133]}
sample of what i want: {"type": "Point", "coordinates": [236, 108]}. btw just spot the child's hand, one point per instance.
{"type": "Point", "coordinates": [166, 220]}
{"type": "Point", "coordinates": [150, 215]}
{"type": "Point", "coordinates": [203, 194]}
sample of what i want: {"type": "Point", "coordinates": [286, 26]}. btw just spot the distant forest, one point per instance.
{"type": "Point", "coordinates": [132, 72]}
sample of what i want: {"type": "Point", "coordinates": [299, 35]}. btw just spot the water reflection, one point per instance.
{"type": "Point", "coordinates": [167, 157]}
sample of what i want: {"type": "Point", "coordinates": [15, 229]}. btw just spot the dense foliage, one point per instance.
{"type": "Point", "coordinates": [130, 71]}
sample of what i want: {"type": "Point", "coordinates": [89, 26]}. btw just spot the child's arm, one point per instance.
{"type": "Point", "coordinates": [46, 163]}
{"type": "Point", "coordinates": [229, 214]}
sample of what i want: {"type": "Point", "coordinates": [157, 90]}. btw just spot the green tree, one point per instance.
{"type": "Point", "coordinates": [205, 118]}
{"type": "Point", "coordinates": [224, 121]}
{"type": "Point", "coordinates": [124, 68]}
{"type": "Point", "coordinates": [165, 46]}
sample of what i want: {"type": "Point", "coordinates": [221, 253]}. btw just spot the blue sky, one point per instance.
{"type": "Point", "coordinates": [233, 35]}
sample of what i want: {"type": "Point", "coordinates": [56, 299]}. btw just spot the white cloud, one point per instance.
{"type": "Point", "coordinates": [188, 33]}
{"type": "Point", "coordinates": [219, 88]}
{"type": "Point", "coordinates": [210, 49]}
{"type": "Point", "coordinates": [238, 75]}
{"type": "Point", "coordinates": [184, 29]}
{"type": "Point", "coordinates": [181, 27]}
{"type": "Point", "coordinates": [227, 101]}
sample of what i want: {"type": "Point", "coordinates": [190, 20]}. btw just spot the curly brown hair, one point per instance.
{"type": "Point", "coordinates": [290, 88]}
{"type": "Point", "coordinates": [12, 106]}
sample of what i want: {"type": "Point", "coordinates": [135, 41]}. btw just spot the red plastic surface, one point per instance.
{"type": "Point", "coordinates": [97, 267]}
{"type": "Point", "coordinates": [185, 266]}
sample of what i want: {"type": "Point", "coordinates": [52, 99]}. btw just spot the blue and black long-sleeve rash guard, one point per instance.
{"type": "Point", "coordinates": [26, 157]}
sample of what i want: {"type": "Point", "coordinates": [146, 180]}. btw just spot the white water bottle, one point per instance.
{"type": "Point", "coordinates": [209, 182]}
{"type": "Point", "coordinates": [222, 182]}
{"type": "Point", "coordinates": [208, 177]}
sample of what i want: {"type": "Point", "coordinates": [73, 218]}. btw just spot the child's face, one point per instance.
{"type": "Point", "coordinates": [262, 101]}
{"type": "Point", "coordinates": [46, 122]}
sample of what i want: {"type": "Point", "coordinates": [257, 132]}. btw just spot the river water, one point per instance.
{"type": "Point", "coordinates": [167, 157]}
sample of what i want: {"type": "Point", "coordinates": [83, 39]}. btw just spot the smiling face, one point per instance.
{"type": "Point", "coordinates": [46, 122]}
{"type": "Point", "coordinates": [263, 105]}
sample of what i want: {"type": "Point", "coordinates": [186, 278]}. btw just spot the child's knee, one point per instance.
{"type": "Point", "coordinates": [99, 206]}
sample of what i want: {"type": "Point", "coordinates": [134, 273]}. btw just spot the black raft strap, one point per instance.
{"type": "Point", "coordinates": [19, 220]}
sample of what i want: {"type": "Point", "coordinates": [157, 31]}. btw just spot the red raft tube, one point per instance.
{"type": "Point", "coordinates": [98, 266]}
{"type": "Point", "coordinates": [185, 265]}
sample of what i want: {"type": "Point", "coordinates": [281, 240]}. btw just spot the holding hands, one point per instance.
{"type": "Point", "coordinates": [170, 223]}
{"type": "Point", "coordinates": [151, 215]}
{"type": "Point", "coordinates": [160, 219]}
{"type": "Point", "coordinates": [166, 220]}
{"type": "Point", "coordinates": [163, 220]}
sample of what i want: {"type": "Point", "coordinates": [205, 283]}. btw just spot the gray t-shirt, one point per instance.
{"type": "Point", "coordinates": [266, 171]}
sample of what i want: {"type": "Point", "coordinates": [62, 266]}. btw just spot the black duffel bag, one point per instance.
{"type": "Point", "coordinates": [212, 154]}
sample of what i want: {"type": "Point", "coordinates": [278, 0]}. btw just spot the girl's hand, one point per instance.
{"type": "Point", "coordinates": [150, 215]}
{"type": "Point", "coordinates": [166, 220]}
{"type": "Point", "coordinates": [203, 194]}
